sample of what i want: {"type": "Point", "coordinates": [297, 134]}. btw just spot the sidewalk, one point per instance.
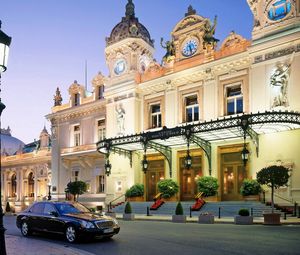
{"type": "Point", "coordinates": [16, 245]}
{"type": "Point", "coordinates": [222, 220]}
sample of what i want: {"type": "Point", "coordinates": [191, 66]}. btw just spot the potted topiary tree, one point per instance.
{"type": "Point", "coordinates": [128, 215]}
{"type": "Point", "coordinates": [76, 188]}
{"type": "Point", "coordinates": [243, 218]}
{"type": "Point", "coordinates": [209, 186]}
{"type": "Point", "coordinates": [169, 189]}
{"type": "Point", "coordinates": [135, 193]}
{"type": "Point", "coordinates": [274, 177]}
{"type": "Point", "coordinates": [250, 189]}
{"type": "Point", "coordinates": [179, 217]}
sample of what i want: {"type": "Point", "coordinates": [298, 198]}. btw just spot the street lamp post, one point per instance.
{"type": "Point", "coordinates": [49, 191]}
{"type": "Point", "coordinates": [5, 41]}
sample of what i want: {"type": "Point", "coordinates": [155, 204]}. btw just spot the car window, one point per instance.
{"type": "Point", "coordinates": [65, 208]}
{"type": "Point", "coordinates": [37, 208]}
{"type": "Point", "coordinates": [49, 208]}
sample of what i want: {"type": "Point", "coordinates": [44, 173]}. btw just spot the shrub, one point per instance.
{"type": "Point", "coordinates": [168, 188]}
{"type": "Point", "coordinates": [136, 190]}
{"type": "Point", "coordinates": [274, 177]}
{"type": "Point", "coordinates": [7, 208]}
{"type": "Point", "coordinates": [244, 212]}
{"type": "Point", "coordinates": [208, 185]}
{"type": "Point", "coordinates": [127, 209]}
{"type": "Point", "coordinates": [250, 187]}
{"type": "Point", "coordinates": [179, 209]}
{"type": "Point", "coordinates": [76, 188]}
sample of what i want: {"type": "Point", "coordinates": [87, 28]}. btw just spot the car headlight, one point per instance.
{"type": "Point", "coordinates": [115, 221]}
{"type": "Point", "coordinates": [87, 224]}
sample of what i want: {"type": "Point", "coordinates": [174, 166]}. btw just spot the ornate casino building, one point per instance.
{"type": "Point", "coordinates": [231, 107]}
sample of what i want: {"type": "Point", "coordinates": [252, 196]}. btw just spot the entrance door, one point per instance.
{"type": "Point", "coordinates": [188, 185]}
{"type": "Point", "coordinates": [154, 174]}
{"type": "Point", "coordinates": [233, 174]}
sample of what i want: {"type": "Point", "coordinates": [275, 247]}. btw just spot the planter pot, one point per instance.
{"type": "Point", "coordinates": [211, 199]}
{"type": "Point", "coordinates": [179, 218]}
{"type": "Point", "coordinates": [128, 216]}
{"type": "Point", "coordinates": [243, 220]}
{"type": "Point", "coordinates": [135, 199]}
{"type": "Point", "coordinates": [206, 219]}
{"type": "Point", "coordinates": [251, 198]}
{"type": "Point", "coordinates": [111, 214]}
{"type": "Point", "coordinates": [271, 218]}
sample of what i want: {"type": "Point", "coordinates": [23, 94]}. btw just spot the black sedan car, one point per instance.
{"type": "Point", "coordinates": [71, 219]}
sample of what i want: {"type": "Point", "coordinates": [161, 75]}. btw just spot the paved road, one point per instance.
{"type": "Point", "coordinates": [155, 238]}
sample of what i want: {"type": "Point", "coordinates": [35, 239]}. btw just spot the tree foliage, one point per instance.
{"type": "Point", "coordinates": [273, 176]}
{"type": "Point", "coordinates": [76, 188]}
{"type": "Point", "coordinates": [208, 185]}
{"type": "Point", "coordinates": [136, 190]}
{"type": "Point", "coordinates": [250, 187]}
{"type": "Point", "coordinates": [168, 188]}
{"type": "Point", "coordinates": [127, 209]}
{"type": "Point", "coordinates": [179, 209]}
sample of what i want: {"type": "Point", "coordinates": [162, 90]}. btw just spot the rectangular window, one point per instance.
{"type": "Point", "coordinates": [100, 184]}
{"type": "Point", "coordinates": [155, 117]}
{"type": "Point", "coordinates": [101, 92]}
{"type": "Point", "coordinates": [191, 108]}
{"type": "Point", "coordinates": [76, 99]}
{"type": "Point", "coordinates": [234, 100]}
{"type": "Point", "coordinates": [75, 175]}
{"type": "Point", "coordinates": [76, 135]}
{"type": "Point", "coordinates": [101, 131]}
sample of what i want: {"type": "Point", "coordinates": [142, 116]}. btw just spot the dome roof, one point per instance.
{"type": "Point", "coordinates": [129, 27]}
{"type": "Point", "coordinates": [9, 144]}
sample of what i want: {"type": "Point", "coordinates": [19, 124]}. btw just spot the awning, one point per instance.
{"type": "Point", "coordinates": [203, 133]}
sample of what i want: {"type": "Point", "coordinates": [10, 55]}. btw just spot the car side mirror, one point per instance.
{"type": "Point", "coordinates": [53, 213]}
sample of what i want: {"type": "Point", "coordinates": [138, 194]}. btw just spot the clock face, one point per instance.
{"type": "Point", "coordinates": [189, 47]}
{"type": "Point", "coordinates": [120, 66]}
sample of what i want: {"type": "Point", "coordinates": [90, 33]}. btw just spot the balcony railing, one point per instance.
{"type": "Point", "coordinates": [80, 148]}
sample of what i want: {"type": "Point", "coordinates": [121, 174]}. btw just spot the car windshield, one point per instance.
{"type": "Point", "coordinates": [65, 208]}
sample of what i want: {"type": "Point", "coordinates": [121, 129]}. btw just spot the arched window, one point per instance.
{"type": "Point", "coordinates": [31, 185]}
{"type": "Point", "coordinates": [14, 185]}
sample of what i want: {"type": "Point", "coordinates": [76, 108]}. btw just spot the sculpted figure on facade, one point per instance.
{"type": "Point", "coordinates": [57, 98]}
{"type": "Point", "coordinates": [208, 36]}
{"type": "Point", "coordinates": [279, 83]}
{"type": "Point", "coordinates": [170, 47]}
{"type": "Point", "coordinates": [120, 114]}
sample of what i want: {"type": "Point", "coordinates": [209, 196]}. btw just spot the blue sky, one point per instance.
{"type": "Point", "coordinates": [53, 38]}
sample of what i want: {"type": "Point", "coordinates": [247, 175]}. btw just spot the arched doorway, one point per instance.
{"type": "Point", "coordinates": [31, 185]}
{"type": "Point", "coordinates": [13, 185]}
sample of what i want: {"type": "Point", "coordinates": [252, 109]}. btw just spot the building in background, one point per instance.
{"type": "Point", "coordinates": [207, 99]}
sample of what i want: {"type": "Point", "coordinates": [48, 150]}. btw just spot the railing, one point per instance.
{"type": "Point", "coordinates": [284, 198]}
{"type": "Point", "coordinates": [110, 204]}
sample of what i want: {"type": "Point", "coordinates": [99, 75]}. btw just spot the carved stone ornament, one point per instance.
{"type": "Point", "coordinates": [120, 118]}
{"type": "Point", "coordinates": [153, 67]}
{"type": "Point", "coordinates": [98, 80]}
{"type": "Point", "coordinates": [279, 80]}
{"type": "Point", "coordinates": [57, 98]}
{"type": "Point", "coordinates": [232, 40]}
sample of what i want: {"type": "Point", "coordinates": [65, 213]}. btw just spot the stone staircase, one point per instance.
{"type": "Point", "coordinates": [228, 208]}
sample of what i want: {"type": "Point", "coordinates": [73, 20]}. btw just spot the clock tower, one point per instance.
{"type": "Point", "coordinates": [129, 48]}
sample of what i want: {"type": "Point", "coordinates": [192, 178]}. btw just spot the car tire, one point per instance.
{"type": "Point", "coordinates": [25, 229]}
{"type": "Point", "coordinates": [71, 234]}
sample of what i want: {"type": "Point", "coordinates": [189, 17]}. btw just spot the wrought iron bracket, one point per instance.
{"type": "Point", "coordinates": [206, 147]}
{"type": "Point", "coordinates": [255, 139]}
{"type": "Point", "coordinates": [164, 150]}
{"type": "Point", "coordinates": [122, 152]}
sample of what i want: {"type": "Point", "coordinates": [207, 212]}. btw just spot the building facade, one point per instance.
{"type": "Point", "coordinates": [207, 98]}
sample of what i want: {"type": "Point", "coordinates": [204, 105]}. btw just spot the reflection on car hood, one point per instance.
{"type": "Point", "coordinates": [88, 216]}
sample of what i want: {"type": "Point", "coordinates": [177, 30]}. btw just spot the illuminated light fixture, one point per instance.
{"type": "Point", "coordinates": [107, 167]}
{"type": "Point", "coordinates": [188, 158]}
{"type": "Point", "coordinates": [145, 161]}
{"type": "Point", "coordinates": [145, 164]}
{"type": "Point", "coordinates": [245, 152]}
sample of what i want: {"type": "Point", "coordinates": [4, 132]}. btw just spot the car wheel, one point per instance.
{"type": "Point", "coordinates": [71, 234]}
{"type": "Point", "coordinates": [25, 229]}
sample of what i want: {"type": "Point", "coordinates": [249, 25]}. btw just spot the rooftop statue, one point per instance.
{"type": "Point", "coordinates": [169, 46]}
{"type": "Point", "coordinates": [57, 98]}
{"type": "Point", "coordinates": [208, 36]}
